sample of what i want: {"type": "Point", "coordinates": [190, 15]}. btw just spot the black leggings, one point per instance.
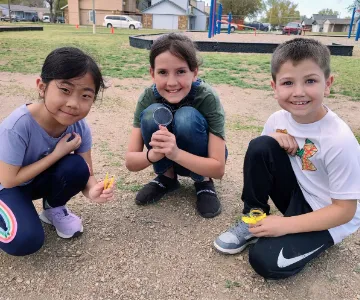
{"type": "Point", "coordinates": [268, 172]}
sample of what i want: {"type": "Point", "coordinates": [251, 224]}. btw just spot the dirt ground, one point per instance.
{"type": "Point", "coordinates": [269, 38]}
{"type": "Point", "coordinates": [164, 251]}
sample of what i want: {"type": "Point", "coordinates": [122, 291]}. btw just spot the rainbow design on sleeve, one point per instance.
{"type": "Point", "coordinates": [8, 233]}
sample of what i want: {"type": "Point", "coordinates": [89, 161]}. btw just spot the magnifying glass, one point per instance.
{"type": "Point", "coordinates": [163, 116]}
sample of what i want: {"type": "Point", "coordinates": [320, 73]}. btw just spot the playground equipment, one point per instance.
{"type": "Point", "coordinates": [216, 21]}
{"type": "Point", "coordinates": [355, 13]}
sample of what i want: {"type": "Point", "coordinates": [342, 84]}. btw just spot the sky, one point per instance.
{"type": "Point", "coordinates": [309, 7]}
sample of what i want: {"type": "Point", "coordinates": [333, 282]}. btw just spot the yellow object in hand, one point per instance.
{"type": "Point", "coordinates": [254, 216]}
{"type": "Point", "coordinates": [111, 182]}
{"type": "Point", "coordinates": [106, 180]}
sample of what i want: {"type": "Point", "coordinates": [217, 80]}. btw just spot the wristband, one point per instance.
{"type": "Point", "coordinates": [147, 156]}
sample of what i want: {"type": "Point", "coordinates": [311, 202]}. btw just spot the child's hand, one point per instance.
{"type": "Point", "coordinates": [100, 195]}
{"type": "Point", "coordinates": [64, 147]}
{"type": "Point", "coordinates": [271, 226]}
{"type": "Point", "coordinates": [164, 142]}
{"type": "Point", "coordinates": [286, 141]}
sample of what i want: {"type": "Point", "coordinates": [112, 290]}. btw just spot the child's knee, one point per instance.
{"type": "Point", "coordinates": [74, 169]}
{"type": "Point", "coordinates": [265, 264]}
{"type": "Point", "coordinates": [262, 144]}
{"type": "Point", "coordinates": [188, 120]}
{"type": "Point", "coordinates": [25, 243]}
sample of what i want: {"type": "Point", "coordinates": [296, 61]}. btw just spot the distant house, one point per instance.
{"type": "Point", "coordinates": [318, 21]}
{"type": "Point", "coordinates": [175, 15]}
{"type": "Point", "coordinates": [25, 13]}
{"type": "Point", "coordinates": [80, 11]}
{"type": "Point", "coordinates": [307, 24]}
{"type": "Point", "coordinates": [337, 25]}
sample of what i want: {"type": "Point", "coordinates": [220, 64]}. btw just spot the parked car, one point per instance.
{"type": "Point", "coordinates": [60, 20]}
{"type": "Point", "coordinates": [292, 28]}
{"type": "Point", "coordinates": [257, 25]}
{"type": "Point", "coordinates": [7, 18]}
{"type": "Point", "coordinates": [46, 19]}
{"type": "Point", "coordinates": [120, 21]}
{"type": "Point", "coordinates": [225, 25]}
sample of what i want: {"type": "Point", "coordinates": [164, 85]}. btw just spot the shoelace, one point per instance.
{"type": "Point", "coordinates": [240, 229]}
{"type": "Point", "coordinates": [62, 213]}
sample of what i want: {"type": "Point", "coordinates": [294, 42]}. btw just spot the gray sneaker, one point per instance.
{"type": "Point", "coordinates": [235, 239]}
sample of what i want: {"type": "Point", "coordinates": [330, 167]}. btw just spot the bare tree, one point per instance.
{"type": "Point", "coordinates": [51, 3]}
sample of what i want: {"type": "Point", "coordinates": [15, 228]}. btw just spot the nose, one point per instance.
{"type": "Point", "coordinates": [298, 90]}
{"type": "Point", "coordinates": [73, 102]}
{"type": "Point", "coordinates": [171, 81]}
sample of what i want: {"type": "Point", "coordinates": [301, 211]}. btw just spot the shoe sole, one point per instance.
{"type": "Point", "coordinates": [156, 199]}
{"type": "Point", "coordinates": [60, 234]}
{"type": "Point", "coordinates": [211, 215]}
{"type": "Point", "coordinates": [233, 251]}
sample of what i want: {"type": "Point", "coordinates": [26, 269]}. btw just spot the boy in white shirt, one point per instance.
{"type": "Point", "coordinates": [307, 160]}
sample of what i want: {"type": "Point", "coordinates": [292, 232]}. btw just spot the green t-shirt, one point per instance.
{"type": "Point", "coordinates": [205, 100]}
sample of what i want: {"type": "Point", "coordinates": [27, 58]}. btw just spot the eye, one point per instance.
{"type": "Point", "coordinates": [181, 71]}
{"type": "Point", "coordinates": [162, 72]}
{"type": "Point", "coordinates": [88, 97]}
{"type": "Point", "coordinates": [310, 81]}
{"type": "Point", "coordinates": [65, 90]}
{"type": "Point", "coordinates": [287, 83]}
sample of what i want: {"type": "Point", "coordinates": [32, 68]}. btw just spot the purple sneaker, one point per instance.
{"type": "Point", "coordinates": [67, 224]}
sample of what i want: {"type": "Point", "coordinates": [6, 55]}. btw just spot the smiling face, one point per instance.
{"type": "Point", "coordinates": [172, 77]}
{"type": "Point", "coordinates": [68, 100]}
{"type": "Point", "coordinates": [300, 90]}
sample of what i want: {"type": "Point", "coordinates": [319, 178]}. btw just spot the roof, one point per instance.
{"type": "Point", "coordinates": [308, 21]}
{"type": "Point", "coordinates": [318, 22]}
{"type": "Point", "coordinates": [323, 17]}
{"type": "Point", "coordinates": [162, 1]}
{"type": "Point", "coordinates": [204, 12]}
{"type": "Point", "coordinates": [24, 8]}
{"type": "Point", "coordinates": [339, 21]}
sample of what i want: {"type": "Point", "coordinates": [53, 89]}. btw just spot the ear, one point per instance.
{"type": "Point", "coordinates": [152, 73]}
{"type": "Point", "coordinates": [273, 86]}
{"type": "Point", "coordinates": [328, 85]}
{"type": "Point", "coordinates": [196, 71]}
{"type": "Point", "coordinates": [41, 87]}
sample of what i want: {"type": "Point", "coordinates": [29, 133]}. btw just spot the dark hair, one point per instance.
{"type": "Point", "coordinates": [299, 49]}
{"type": "Point", "coordinates": [179, 45]}
{"type": "Point", "coordinates": [71, 62]}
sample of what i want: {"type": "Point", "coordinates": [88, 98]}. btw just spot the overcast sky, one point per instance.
{"type": "Point", "coordinates": [309, 7]}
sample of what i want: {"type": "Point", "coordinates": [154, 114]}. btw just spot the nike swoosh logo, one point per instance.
{"type": "Point", "coordinates": [283, 262]}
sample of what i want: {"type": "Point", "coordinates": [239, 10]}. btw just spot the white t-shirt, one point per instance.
{"type": "Point", "coordinates": [327, 164]}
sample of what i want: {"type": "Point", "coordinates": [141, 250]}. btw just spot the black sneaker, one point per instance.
{"type": "Point", "coordinates": [155, 189]}
{"type": "Point", "coordinates": [207, 204]}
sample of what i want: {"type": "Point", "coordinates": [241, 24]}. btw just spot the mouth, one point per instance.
{"type": "Point", "coordinates": [67, 113]}
{"type": "Point", "coordinates": [299, 103]}
{"type": "Point", "coordinates": [173, 91]}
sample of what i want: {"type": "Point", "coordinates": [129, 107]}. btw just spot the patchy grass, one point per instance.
{"type": "Point", "coordinates": [19, 52]}
{"type": "Point", "coordinates": [231, 284]}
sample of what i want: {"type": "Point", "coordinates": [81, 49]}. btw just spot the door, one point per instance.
{"type": "Point", "coordinates": [165, 22]}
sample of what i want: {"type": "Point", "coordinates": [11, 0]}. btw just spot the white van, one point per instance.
{"type": "Point", "coordinates": [121, 22]}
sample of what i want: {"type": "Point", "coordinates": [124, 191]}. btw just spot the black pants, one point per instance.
{"type": "Point", "coordinates": [268, 172]}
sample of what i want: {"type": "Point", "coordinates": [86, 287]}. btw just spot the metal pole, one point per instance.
{"type": "Point", "coordinates": [229, 20]}
{"type": "Point", "coordinates": [210, 19]}
{"type": "Point", "coordinates": [352, 22]}
{"type": "Point", "coordinates": [9, 11]}
{"type": "Point", "coordinates": [93, 14]}
{"type": "Point", "coordinates": [219, 18]}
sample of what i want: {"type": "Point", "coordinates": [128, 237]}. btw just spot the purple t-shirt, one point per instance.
{"type": "Point", "coordinates": [23, 141]}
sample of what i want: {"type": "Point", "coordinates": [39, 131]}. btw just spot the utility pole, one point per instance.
{"type": "Point", "coordinates": [9, 11]}
{"type": "Point", "coordinates": [93, 13]}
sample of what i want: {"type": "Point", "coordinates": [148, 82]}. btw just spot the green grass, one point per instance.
{"type": "Point", "coordinates": [24, 52]}
{"type": "Point", "coordinates": [358, 138]}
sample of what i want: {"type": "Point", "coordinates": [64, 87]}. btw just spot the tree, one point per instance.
{"type": "Point", "coordinates": [51, 4]}
{"type": "Point", "coordinates": [243, 8]}
{"type": "Point", "coordinates": [328, 11]}
{"type": "Point", "coordinates": [280, 12]}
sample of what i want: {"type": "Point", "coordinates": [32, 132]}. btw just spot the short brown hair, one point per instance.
{"type": "Point", "coordinates": [179, 45]}
{"type": "Point", "coordinates": [299, 49]}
